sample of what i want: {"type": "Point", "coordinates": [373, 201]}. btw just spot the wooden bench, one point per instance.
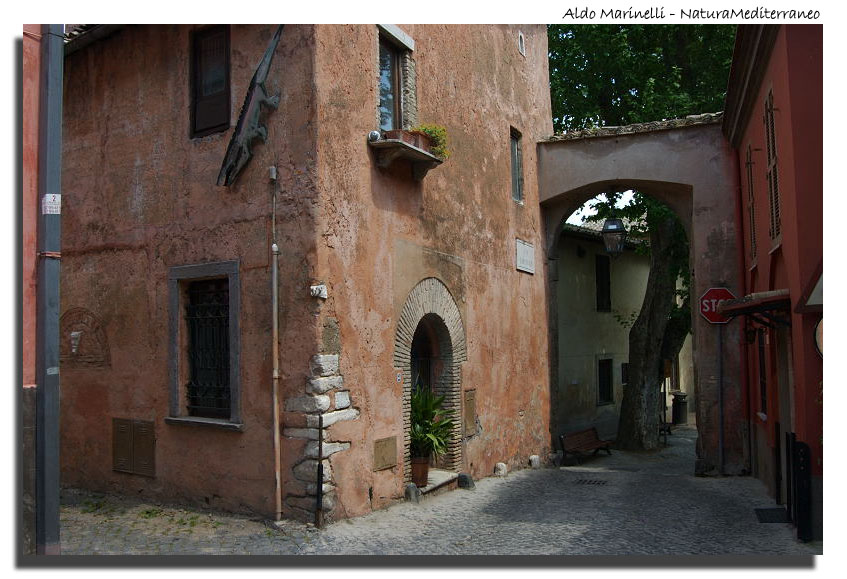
{"type": "Point", "coordinates": [582, 442]}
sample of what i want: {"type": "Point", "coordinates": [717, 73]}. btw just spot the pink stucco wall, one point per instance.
{"type": "Point", "coordinates": [377, 226]}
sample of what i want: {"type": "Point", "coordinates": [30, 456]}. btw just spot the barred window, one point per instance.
{"type": "Point", "coordinates": [207, 322]}
{"type": "Point", "coordinates": [205, 348]}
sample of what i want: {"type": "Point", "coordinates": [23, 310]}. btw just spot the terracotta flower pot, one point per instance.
{"type": "Point", "coordinates": [422, 140]}
{"type": "Point", "coordinates": [420, 471]}
{"type": "Point", "coordinates": [400, 135]}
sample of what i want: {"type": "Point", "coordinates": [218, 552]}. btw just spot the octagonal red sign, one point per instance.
{"type": "Point", "coordinates": [710, 301]}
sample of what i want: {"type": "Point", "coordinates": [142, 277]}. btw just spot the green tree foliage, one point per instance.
{"type": "Point", "coordinates": [623, 74]}
{"type": "Point", "coordinates": [611, 75]}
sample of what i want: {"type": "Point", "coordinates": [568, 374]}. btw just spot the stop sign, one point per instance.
{"type": "Point", "coordinates": [709, 302]}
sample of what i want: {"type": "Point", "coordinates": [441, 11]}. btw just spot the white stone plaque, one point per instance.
{"type": "Point", "coordinates": [525, 256]}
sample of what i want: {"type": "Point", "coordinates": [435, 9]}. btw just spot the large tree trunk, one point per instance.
{"type": "Point", "coordinates": [639, 420]}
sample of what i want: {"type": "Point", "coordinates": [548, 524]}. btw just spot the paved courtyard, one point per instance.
{"type": "Point", "coordinates": [626, 504]}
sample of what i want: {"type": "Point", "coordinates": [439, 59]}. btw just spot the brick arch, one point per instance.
{"type": "Point", "coordinates": [432, 300]}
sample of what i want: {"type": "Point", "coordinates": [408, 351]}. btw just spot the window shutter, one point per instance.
{"type": "Point", "coordinates": [143, 448]}
{"type": "Point", "coordinates": [210, 84]}
{"type": "Point", "coordinates": [121, 444]}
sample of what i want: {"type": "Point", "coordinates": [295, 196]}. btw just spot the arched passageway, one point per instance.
{"type": "Point", "coordinates": [429, 346]}
{"type": "Point", "coordinates": [689, 166]}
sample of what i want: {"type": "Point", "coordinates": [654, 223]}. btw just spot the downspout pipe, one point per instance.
{"type": "Point", "coordinates": [275, 351]}
{"type": "Point", "coordinates": [47, 292]}
{"type": "Point", "coordinates": [276, 426]}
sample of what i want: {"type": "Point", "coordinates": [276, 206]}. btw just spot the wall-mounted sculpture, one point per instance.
{"type": "Point", "coordinates": [239, 151]}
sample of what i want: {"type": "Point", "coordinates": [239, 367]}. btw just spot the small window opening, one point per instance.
{"type": "Point", "coordinates": [389, 83]}
{"type": "Point", "coordinates": [605, 394]}
{"type": "Point", "coordinates": [517, 165]}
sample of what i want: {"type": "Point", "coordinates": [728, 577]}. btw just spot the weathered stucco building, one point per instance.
{"type": "Point", "coordinates": [168, 350]}
{"type": "Point", "coordinates": [774, 121]}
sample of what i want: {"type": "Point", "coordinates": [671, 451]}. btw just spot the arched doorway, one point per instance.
{"type": "Point", "coordinates": [430, 346]}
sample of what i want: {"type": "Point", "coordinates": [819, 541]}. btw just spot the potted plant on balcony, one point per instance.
{"type": "Point", "coordinates": [430, 429]}
{"type": "Point", "coordinates": [436, 135]}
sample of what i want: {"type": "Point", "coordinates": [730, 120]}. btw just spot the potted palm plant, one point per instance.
{"type": "Point", "coordinates": [431, 425]}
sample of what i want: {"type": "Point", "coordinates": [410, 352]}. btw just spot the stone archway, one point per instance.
{"type": "Point", "coordinates": [688, 165]}
{"type": "Point", "coordinates": [431, 303]}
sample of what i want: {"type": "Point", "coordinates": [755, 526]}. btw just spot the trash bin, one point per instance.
{"type": "Point", "coordinates": [680, 408]}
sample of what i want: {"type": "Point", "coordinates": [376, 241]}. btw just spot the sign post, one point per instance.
{"type": "Point", "coordinates": [709, 303]}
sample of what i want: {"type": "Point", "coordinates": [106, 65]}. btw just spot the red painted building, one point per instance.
{"type": "Point", "coordinates": [774, 121]}
{"type": "Point", "coordinates": [29, 203]}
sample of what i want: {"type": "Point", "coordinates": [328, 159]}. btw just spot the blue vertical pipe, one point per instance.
{"type": "Point", "coordinates": [47, 300]}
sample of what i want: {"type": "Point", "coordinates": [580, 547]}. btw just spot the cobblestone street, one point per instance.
{"type": "Point", "coordinates": [626, 504]}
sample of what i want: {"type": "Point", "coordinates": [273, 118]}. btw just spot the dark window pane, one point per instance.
{"type": "Point", "coordinates": [388, 97]}
{"type": "Point", "coordinates": [603, 283]}
{"type": "Point", "coordinates": [517, 166]}
{"type": "Point", "coordinates": [210, 82]}
{"type": "Point", "coordinates": [604, 382]}
{"type": "Point", "coordinates": [212, 65]}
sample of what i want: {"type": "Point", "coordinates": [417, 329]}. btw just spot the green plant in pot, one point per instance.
{"type": "Point", "coordinates": [437, 136]}
{"type": "Point", "coordinates": [431, 426]}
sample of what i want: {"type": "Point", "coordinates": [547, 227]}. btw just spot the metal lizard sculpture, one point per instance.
{"type": "Point", "coordinates": [238, 153]}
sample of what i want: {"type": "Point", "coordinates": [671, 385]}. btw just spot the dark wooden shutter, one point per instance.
{"type": "Point", "coordinates": [210, 81]}
{"type": "Point", "coordinates": [122, 444]}
{"type": "Point", "coordinates": [143, 448]}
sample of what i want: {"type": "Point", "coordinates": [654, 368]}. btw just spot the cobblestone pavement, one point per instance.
{"type": "Point", "coordinates": [626, 504]}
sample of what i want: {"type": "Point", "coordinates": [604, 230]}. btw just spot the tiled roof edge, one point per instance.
{"type": "Point", "coordinates": [637, 128]}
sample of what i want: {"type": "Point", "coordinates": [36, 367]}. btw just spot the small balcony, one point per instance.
{"type": "Point", "coordinates": [395, 145]}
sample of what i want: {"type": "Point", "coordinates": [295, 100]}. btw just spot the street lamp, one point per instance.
{"type": "Point", "coordinates": [614, 236]}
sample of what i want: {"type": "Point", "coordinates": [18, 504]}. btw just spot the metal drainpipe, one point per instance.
{"type": "Point", "coordinates": [720, 398]}
{"type": "Point", "coordinates": [275, 355]}
{"type": "Point", "coordinates": [277, 457]}
{"type": "Point", "coordinates": [47, 300]}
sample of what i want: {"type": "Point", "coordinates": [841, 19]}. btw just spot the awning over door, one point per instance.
{"type": "Point", "coordinates": [768, 308]}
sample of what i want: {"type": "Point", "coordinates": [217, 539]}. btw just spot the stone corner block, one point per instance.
{"type": "Point", "coordinates": [309, 433]}
{"type": "Point", "coordinates": [307, 404]}
{"type": "Point", "coordinates": [324, 384]}
{"type": "Point", "coordinates": [500, 469]}
{"type": "Point", "coordinates": [307, 471]}
{"type": "Point", "coordinates": [324, 365]}
{"type": "Point", "coordinates": [331, 418]}
{"type": "Point", "coordinates": [342, 399]}
{"type": "Point", "coordinates": [327, 449]}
